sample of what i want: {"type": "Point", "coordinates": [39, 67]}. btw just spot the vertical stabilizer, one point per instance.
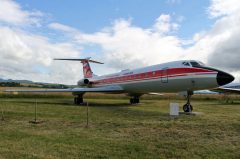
{"type": "Point", "coordinates": [87, 71]}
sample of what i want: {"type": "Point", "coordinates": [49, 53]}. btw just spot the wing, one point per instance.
{"type": "Point", "coordinates": [113, 89]}
{"type": "Point", "coordinates": [226, 90]}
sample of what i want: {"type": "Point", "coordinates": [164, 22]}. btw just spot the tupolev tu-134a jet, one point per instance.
{"type": "Point", "coordinates": [178, 76]}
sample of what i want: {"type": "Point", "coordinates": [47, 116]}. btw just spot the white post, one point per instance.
{"type": "Point", "coordinates": [35, 111]}
{"type": "Point", "coordinates": [1, 104]}
{"type": "Point", "coordinates": [2, 118]}
{"type": "Point", "coordinates": [174, 109]}
{"type": "Point", "coordinates": [87, 114]}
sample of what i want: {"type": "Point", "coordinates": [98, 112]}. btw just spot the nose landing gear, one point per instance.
{"type": "Point", "coordinates": [188, 107]}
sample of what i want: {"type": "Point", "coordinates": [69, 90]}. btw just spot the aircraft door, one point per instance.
{"type": "Point", "coordinates": [164, 77]}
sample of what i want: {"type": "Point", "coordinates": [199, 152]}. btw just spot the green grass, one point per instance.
{"type": "Point", "coordinates": [118, 130]}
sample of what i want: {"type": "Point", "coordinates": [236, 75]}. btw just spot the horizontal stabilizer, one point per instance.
{"type": "Point", "coordinates": [81, 60]}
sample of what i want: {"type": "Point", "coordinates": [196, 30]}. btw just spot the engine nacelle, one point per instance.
{"type": "Point", "coordinates": [83, 82]}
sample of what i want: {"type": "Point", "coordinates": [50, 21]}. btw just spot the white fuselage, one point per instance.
{"type": "Point", "coordinates": [168, 77]}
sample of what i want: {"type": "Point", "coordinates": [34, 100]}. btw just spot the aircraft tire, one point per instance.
{"type": "Point", "coordinates": [75, 100]}
{"type": "Point", "coordinates": [131, 101]}
{"type": "Point", "coordinates": [134, 100]}
{"type": "Point", "coordinates": [80, 100]}
{"type": "Point", "coordinates": [137, 100]}
{"type": "Point", "coordinates": [187, 108]}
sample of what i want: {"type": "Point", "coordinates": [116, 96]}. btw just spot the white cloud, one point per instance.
{"type": "Point", "coordinates": [125, 45]}
{"type": "Point", "coordinates": [224, 7]}
{"type": "Point", "coordinates": [21, 53]}
{"type": "Point", "coordinates": [61, 27]}
{"type": "Point", "coordinates": [27, 55]}
{"type": "Point", "coordinates": [12, 13]}
{"type": "Point", "coordinates": [173, 1]}
{"type": "Point", "coordinates": [163, 24]}
{"type": "Point", "coordinates": [219, 46]}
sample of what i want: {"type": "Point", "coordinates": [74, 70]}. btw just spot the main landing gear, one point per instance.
{"type": "Point", "coordinates": [134, 100]}
{"type": "Point", "coordinates": [188, 107]}
{"type": "Point", "coordinates": [78, 100]}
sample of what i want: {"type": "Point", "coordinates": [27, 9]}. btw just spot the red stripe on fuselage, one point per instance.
{"type": "Point", "coordinates": [170, 72]}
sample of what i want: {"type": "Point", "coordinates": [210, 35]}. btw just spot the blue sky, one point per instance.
{"type": "Point", "coordinates": [92, 15]}
{"type": "Point", "coordinates": [121, 33]}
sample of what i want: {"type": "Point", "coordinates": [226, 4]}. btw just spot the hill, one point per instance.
{"type": "Point", "coordinates": [28, 83]}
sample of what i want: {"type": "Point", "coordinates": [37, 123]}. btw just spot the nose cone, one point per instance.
{"type": "Point", "coordinates": [224, 78]}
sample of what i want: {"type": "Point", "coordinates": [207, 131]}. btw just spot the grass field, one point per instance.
{"type": "Point", "coordinates": [117, 129]}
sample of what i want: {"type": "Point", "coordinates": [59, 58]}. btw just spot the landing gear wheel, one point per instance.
{"type": "Point", "coordinates": [78, 100]}
{"type": "Point", "coordinates": [75, 100]}
{"type": "Point", "coordinates": [134, 100]}
{"type": "Point", "coordinates": [187, 108]}
{"type": "Point", "coordinates": [131, 101]}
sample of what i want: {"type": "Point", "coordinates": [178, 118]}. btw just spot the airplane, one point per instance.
{"type": "Point", "coordinates": [231, 88]}
{"type": "Point", "coordinates": [205, 92]}
{"type": "Point", "coordinates": [183, 76]}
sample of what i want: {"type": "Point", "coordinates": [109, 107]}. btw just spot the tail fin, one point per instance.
{"type": "Point", "coordinates": [87, 71]}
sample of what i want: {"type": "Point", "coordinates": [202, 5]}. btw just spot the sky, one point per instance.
{"type": "Point", "coordinates": [121, 33]}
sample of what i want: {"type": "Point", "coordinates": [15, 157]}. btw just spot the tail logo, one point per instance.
{"type": "Point", "coordinates": [87, 72]}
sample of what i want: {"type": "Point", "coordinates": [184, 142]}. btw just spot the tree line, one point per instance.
{"type": "Point", "coordinates": [17, 84]}
{"type": "Point", "coordinates": [10, 84]}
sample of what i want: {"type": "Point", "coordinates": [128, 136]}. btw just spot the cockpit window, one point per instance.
{"type": "Point", "coordinates": [195, 64]}
{"type": "Point", "coordinates": [202, 64]}
{"type": "Point", "coordinates": [186, 64]}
